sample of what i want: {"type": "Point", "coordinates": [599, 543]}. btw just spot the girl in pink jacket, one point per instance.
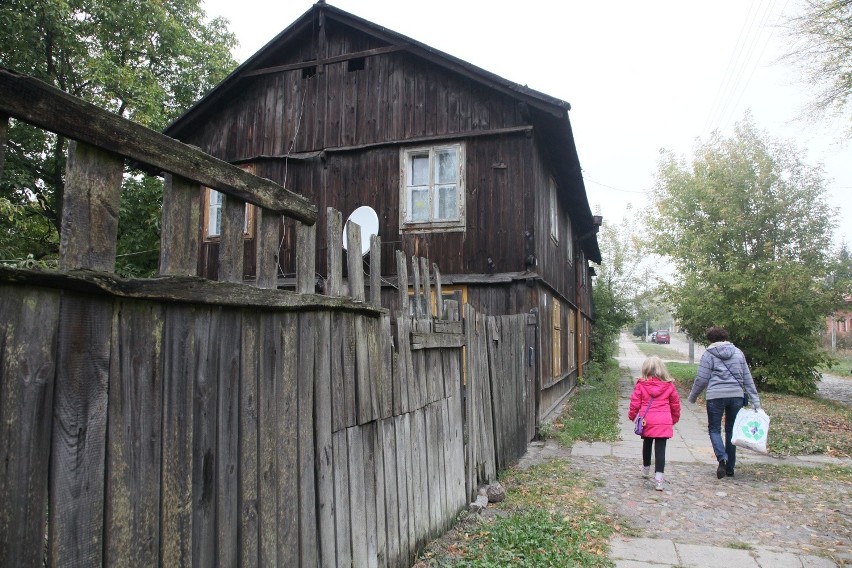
{"type": "Point", "coordinates": [655, 398]}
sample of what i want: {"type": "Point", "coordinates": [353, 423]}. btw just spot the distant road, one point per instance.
{"type": "Point", "coordinates": [681, 344]}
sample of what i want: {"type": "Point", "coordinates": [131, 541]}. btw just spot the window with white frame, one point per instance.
{"type": "Point", "coordinates": [213, 220]}
{"type": "Point", "coordinates": [432, 188]}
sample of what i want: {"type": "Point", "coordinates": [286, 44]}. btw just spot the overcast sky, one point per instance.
{"type": "Point", "coordinates": [640, 76]}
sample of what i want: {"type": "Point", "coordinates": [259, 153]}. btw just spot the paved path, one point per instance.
{"type": "Point", "coordinates": [692, 523]}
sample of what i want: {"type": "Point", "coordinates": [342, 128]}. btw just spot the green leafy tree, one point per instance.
{"type": "Point", "coordinates": [749, 228]}
{"type": "Point", "coordinates": [821, 45]}
{"type": "Point", "coordinates": [146, 60]}
{"type": "Point", "coordinates": [619, 277]}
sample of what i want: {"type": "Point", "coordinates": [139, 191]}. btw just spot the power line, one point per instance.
{"type": "Point", "coordinates": [615, 188]}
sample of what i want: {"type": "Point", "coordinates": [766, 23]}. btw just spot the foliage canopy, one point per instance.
{"type": "Point", "coordinates": [146, 60]}
{"type": "Point", "coordinates": [821, 45]}
{"type": "Point", "coordinates": [749, 228]}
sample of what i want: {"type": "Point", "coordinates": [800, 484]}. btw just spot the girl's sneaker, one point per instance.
{"type": "Point", "coordinates": [646, 471]}
{"type": "Point", "coordinates": [659, 480]}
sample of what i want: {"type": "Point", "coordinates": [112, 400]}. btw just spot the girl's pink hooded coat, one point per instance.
{"type": "Point", "coordinates": [664, 412]}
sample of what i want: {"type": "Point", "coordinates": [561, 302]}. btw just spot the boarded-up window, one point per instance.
{"type": "Point", "coordinates": [556, 339]}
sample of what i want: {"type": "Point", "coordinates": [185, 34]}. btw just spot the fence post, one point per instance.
{"type": "Point", "coordinates": [179, 243]}
{"type": "Point", "coordinates": [415, 276]}
{"type": "Point", "coordinates": [402, 281]}
{"type": "Point", "coordinates": [90, 208]}
{"type": "Point", "coordinates": [355, 261]}
{"type": "Point", "coordinates": [427, 291]}
{"type": "Point", "coordinates": [231, 242]}
{"type": "Point", "coordinates": [334, 251]}
{"type": "Point", "coordinates": [376, 271]}
{"type": "Point", "coordinates": [267, 234]}
{"type": "Point", "coordinates": [306, 241]}
{"type": "Point", "coordinates": [439, 298]}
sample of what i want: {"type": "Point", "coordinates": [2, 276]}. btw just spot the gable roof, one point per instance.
{"type": "Point", "coordinates": [549, 115]}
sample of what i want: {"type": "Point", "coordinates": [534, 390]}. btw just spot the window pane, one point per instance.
{"type": "Point", "coordinates": [419, 209]}
{"type": "Point", "coordinates": [214, 214]}
{"type": "Point", "coordinates": [419, 169]}
{"type": "Point", "coordinates": [447, 167]}
{"type": "Point", "coordinates": [447, 205]}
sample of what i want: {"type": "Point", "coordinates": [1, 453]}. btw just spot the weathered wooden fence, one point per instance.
{"type": "Point", "coordinates": [180, 421]}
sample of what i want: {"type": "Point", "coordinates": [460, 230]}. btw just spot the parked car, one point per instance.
{"type": "Point", "coordinates": [662, 336]}
{"type": "Point", "coordinates": [653, 337]}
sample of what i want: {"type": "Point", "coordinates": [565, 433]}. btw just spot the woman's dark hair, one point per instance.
{"type": "Point", "coordinates": [716, 333]}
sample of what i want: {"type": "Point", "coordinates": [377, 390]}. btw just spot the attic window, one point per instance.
{"type": "Point", "coordinates": [356, 64]}
{"type": "Point", "coordinates": [308, 72]}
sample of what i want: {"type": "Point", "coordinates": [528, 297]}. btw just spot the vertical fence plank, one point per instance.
{"type": "Point", "coordinates": [266, 243]}
{"type": "Point", "coordinates": [248, 448]}
{"type": "Point", "coordinates": [427, 289]}
{"type": "Point", "coordinates": [204, 470]}
{"type": "Point", "coordinates": [368, 441]}
{"type": "Point", "coordinates": [342, 519]}
{"type": "Point", "coordinates": [406, 486]}
{"type": "Point", "coordinates": [415, 277]}
{"type": "Point", "coordinates": [324, 457]}
{"type": "Point", "coordinates": [180, 364]}
{"type": "Point", "coordinates": [306, 244]}
{"type": "Point", "coordinates": [376, 271]}
{"type": "Point", "coordinates": [79, 432]}
{"type": "Point", "coordinates": [338, 418]}
{"type": "Point", "coordinates": [364, 392]}
{"type": "Point", "coordinates": [268, 385]}
{"type": "Point", "coordinates": [28, 333]}
{"type": "Point", "coordinates": [132, 524]}
{"type": "Point", "coordinates": [90, 208]}
{"type": "Point", "coordinates": [402, 281]}
{"type": "Point", "coordinates": [227, 442]}
{"type": "Point", "coordinates": [334, 252]}
{"type": "Point", "coordinates": [387, 441]}
{"type": "Point", "coordinates": [307, 484]}
{"type": "Point", "coordinates": [231, 240]}
{"type": "Point", "coordinates": [354, 261]}
{"type": "Point", "coordinates": [350, 373]}
{"type": "Point", "coordinates": [287, 449]}
{"type": "Point", "coordinates": [357, 500]}
{"type": "Point", "coordinates": [386, 367]}
{"type": "Point", "coordinates": [439, 298]}
{"type": "Point", "coordinates": [181, 222]}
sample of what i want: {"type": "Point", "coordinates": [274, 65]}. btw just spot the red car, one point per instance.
{"type": "Point", "coordinates": [663, 336]}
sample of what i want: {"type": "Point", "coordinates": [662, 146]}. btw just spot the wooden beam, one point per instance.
{"type": "Point", "coordinates": [181, 219]}
{"type": "Point", "coordinates": [42, 105]}
{"type": "Point", "coordinates": [187, 289]}
{"type": "Point", "coordinates": [527, 130]}
{"type": "Point", "coordinates": [436, 340]}
{"type": "Point", "coordinates": [321, 62]}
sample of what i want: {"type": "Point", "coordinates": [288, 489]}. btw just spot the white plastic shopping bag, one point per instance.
{"type": "Point", "coordinates": [751, 428]}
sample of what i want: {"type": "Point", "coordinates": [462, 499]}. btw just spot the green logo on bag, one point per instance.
{"type": "Point", "coordinates": [752, 430]}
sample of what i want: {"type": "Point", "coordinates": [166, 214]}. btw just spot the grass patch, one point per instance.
{"type": "Point", "coordinates": [842, 366]}
{"type": "Point", "coordinates": [662, 351]}
{"type": "Point", "coordinates": [548, 519]}
{"type": "Point", "coordinates": [592, 412]}
{"type": "Point", "coordinates": [799, 425]}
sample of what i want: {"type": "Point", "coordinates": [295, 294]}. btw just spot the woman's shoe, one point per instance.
{"type": "Point", "coordinates": [721, 471]}
{"type": "Point", "coordinates": [659, 480]}
{"type": "Point", "coordinates": [646, 471]}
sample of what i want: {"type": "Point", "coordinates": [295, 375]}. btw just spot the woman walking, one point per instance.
{"type": "Point", "coordinates": [655, 398]}
{"type": "Point", "coordinates": [724, 373]}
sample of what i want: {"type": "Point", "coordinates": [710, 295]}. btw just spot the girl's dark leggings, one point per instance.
{"type": "Point", "coordinates": [659, 453]}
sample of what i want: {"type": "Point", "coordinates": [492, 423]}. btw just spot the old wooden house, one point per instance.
{"type": "Point", "coordinates": [463, 167]}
